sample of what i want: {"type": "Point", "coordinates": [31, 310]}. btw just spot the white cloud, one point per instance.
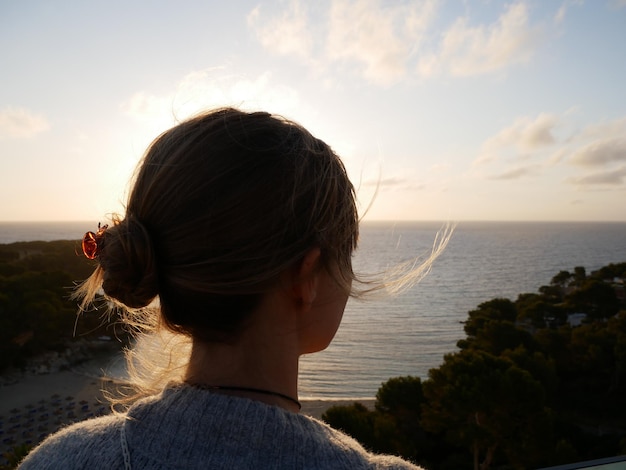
{"type": "Point", "coordinates": [562, 11]}
{"type": "Point", "coordinates": [211, 88]}
{"type": "Point", "coordinates": [524, 135]}
{"type": "Point", "coordinates": [378, 37]}
{"type": "Point", "coordinates": [558, 156]}
{"type": "Point", "coordinates": [389, 41]}
{"type": "Point", "coordinates": [516, 173]}
{"type": "Point", "coordinates": [143, 105]}
{"type": "Point", "coordinates": [599, 145]}
{"type": "Point", "coordinates": [381, 38]}
{"type": "Point", "coordinates": [615, 177]}
{"type": "Point", "coordinates": [537, 133]}
{"type": "Point", "coordinates": [21, 123]}
{"type": "Point", "coordinates": [392, 182]}
{"type": "Point", "coordinates": [603, 130]}
{"type": "Point", "coordinates": [560, 14]}
{"type": "Point", "coordinates": [287, 34]}
{"type": "Point", "coordinates": [472, 50]}
{"type": "Point", "coordinates": [601, 152]}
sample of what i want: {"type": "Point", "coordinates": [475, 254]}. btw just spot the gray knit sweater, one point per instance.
{"type": "Point", "coordinates": [189, 428]}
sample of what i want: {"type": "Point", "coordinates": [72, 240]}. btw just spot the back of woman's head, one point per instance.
{"type": "Point", "coordinates": [221, 206]}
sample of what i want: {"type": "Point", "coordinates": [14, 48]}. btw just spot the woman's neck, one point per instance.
{"type": "Point", "coordinates": [264, 355]}
{"type": "Point", "coordinates": [261, 358]}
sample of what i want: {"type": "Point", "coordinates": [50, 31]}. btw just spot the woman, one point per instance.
{"type": "Point", "coordinates": [238, 234]}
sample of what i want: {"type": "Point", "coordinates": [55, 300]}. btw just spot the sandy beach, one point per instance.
{"type": "Point", "coordinates": [36, 405]}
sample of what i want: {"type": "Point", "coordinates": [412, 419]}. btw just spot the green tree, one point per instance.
{"type": "Point", "coordinates": [551, 293]}
{"type": "Point", "coordinates": [400, 401]}
{"type": "Point", "coordinates": [580, 274]}
{"type": "Point", "coordinates": [36, 314]}
{"type": "Point", "coordinates": [540, 366]}
{"type": "Point", "coordinates": [611, 271]}
{"type": "Point", "coordinates": [495, 309]}
{"type": "Point", "coordinates": [394, 427]}
{"type": "Point", "coordinates": [523, 391]}
{"type": "Point", "coordinates": [562, 279]}
{"type": "Point", "coordinates": [355, 420]}
{"type": "Point", "coordinates": [595, 298]}
{"type": "Point", "coordinates": [539, 311]}
{"type": "Point", "coordinates": [485, 403]}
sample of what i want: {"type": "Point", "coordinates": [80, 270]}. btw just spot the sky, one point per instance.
{"type": "Point", "coordinates": [440, 109]}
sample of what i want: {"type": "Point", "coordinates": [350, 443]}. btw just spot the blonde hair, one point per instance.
{"type": "Point", "coordinates": [221, 206]}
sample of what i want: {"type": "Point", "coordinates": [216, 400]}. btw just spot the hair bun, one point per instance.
{"type": "Point", "coordinates": [129, 264]}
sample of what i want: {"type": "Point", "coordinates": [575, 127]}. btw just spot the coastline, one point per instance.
{"type": "Point", "coordinates": [35, 405]}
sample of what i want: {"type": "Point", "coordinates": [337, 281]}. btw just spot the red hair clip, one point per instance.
{"type": "Point", "coordinates": [92, 240]}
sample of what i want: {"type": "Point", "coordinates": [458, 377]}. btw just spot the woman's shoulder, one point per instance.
{"type": "Point", "coordinates": [390, 462]}
{"type": "Point", "coordinates": [91, 443]}
{"type": "Point", "coordinates": [344, 451]}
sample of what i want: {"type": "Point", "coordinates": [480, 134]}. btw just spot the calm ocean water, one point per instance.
{"type": "Point", "coordinates": [408, 334]}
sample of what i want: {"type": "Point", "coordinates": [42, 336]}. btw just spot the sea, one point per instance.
{"type": "Point", "coordinates": [386, 335]}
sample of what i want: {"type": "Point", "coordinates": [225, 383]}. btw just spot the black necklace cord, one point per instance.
{"type": "Point", "coordinates": [260, 391]}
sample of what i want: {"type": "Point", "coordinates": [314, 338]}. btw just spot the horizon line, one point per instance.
{"type": "Point", "coordinates": [366, 221]}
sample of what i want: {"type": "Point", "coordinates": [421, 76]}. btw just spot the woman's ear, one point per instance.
{"type": "Point", "coordinates": [306, 278]}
